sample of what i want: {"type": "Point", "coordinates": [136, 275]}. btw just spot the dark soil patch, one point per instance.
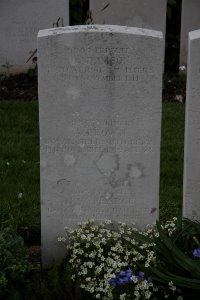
{"type": "Point", "coordinates": [19, 87]}
{"type": "Point", "coordinates": [174, 87]}
{"type": "Point", "coordinates": [34, 254]}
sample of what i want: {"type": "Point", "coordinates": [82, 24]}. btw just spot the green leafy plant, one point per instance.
{"type": "Point", "coordinates": [14, 266]}
{"type": "Point", "coordinates": [178, 257]}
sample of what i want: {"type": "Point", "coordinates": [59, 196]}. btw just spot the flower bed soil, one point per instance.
{"type": "Point", "coordinates": [19, 87]}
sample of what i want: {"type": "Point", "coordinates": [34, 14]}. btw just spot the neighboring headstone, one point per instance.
{"type": "Point", "coordinates": [150, 14]}
{"type": "Point", "coordinates": [190, 21]}
{"type": "Point", "coordinates": [191, 201]}
{"type": "Point", "coordinates": [100, 117]}
{"type": "Point", "coordinates": [20, 21]}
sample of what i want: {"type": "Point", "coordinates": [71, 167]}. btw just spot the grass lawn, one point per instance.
{"type": "Point", "coordinates": [19, 162]}
{"type": "Point", "coordinates": [171, 168]}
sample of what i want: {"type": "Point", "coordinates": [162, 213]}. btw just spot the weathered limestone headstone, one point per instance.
{"type": "Point", "coordinates": [100, 115]}
{"type": "Point", "coordinates": [20, 21]}
{"type": "Point", "coordinates": [150, 14]}
{"type": "Point", "coordinates": [190, 21]}
{"type": "Point", "coordinates": [191, 205]}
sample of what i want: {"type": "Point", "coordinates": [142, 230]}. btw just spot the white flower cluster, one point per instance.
{"type": "Point", "coordinates": [142, 288]}
{"type": "Point", "coordinates": [183, 68]}
{"type": "Point", "coordinates": [170, 226]}
{"type": "Point", "coordinates": [98, 252]}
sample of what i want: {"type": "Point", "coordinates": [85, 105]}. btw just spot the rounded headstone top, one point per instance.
{"type": "Point", "coordinates": [194, 34]}
{"type": "Point", "coordinates": [100, 28]}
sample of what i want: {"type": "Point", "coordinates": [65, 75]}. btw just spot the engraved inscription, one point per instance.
{"type": "Point", "coordinates": [101, 135]}
{"type": "Point", "coordinates": [92, 145]}
{"type": "Point", "coordinates": [101, 64]}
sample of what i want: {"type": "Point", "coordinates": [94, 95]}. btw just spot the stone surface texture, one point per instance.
{"type": "Point", "coordinates": [190, 21]}
{"type": "Point", "coordinates": [150, 14]}
{"type": "Point", "coordinates": [100, 118]}
{"type": "Point", "coordinates": [191, 201]}
{"type": "Point", "coordinates": [20, 22]}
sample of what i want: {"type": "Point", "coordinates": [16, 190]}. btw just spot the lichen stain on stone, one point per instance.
{"type": "Point", "coordinates": [135, 171]}
{"type": "Point", "coordinates": [108, 195]}
{"type": "Point", "coordinates": [107, 163]}
{"type": "Point", "coordinates": [69, 160]}
{"type": "Point", "coordinates": [116, 182]}
{"type": "Point", "coordinates": [73, 93]}
{"type": "Point", "coordinates": [81, 145]}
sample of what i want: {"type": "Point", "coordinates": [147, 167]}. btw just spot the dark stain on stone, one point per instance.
{"type": "Point", "coordinates": [63, 180]}
{"type": "Point", "coordinates": [153, 210]}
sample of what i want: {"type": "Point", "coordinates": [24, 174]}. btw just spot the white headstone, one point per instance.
{"type": "Point", "coordinates": [190, 21]}
{"type": "Point", "coordinates": [150, 14]}
{"type": "Point", "coordinates": [20, 21]}
{"type": "Point", "coordinates": [191, 203]}
{"type": "Point", "coordinates": [100, 116]}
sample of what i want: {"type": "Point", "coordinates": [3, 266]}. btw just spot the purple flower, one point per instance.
{"type": "Point", "coordinates": [196, 252]}
{"type": "Point", "coordinates": [122, 278]}
{"type": "Point", "coordinates": [140, 275]}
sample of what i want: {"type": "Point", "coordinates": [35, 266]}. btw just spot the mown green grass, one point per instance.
{"type": "Point", "coordinates": [19, 162]}
{"type": "Point", "coordinates": [171, 169]}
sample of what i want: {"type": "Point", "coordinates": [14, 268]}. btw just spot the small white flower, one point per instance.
{"type": "Point", "coordinates": [134, 279]}
{"type": "Point", "coordinates": [8, 164]}
{"type": "Point", "coordinates": [62, 239]}
{"type": "Point", "coordinates": [108, 222]}
{"type": "Point", "coordinates": [172, 286]}
{"type": "Point", "coordinates": [136, 293]}
{"type": "Point", "coordinates": [73, 277]}
{"type": "Point", "coordinates": [147, 295]}
{"type": "Point", "coordinates": [88, 279]}
{"type": "Point", "coordinates": [20, 195]}
{"type": "Point", "coordinates": [182, 68]}
{"type": "Point", "coordinates": [122, 296]}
